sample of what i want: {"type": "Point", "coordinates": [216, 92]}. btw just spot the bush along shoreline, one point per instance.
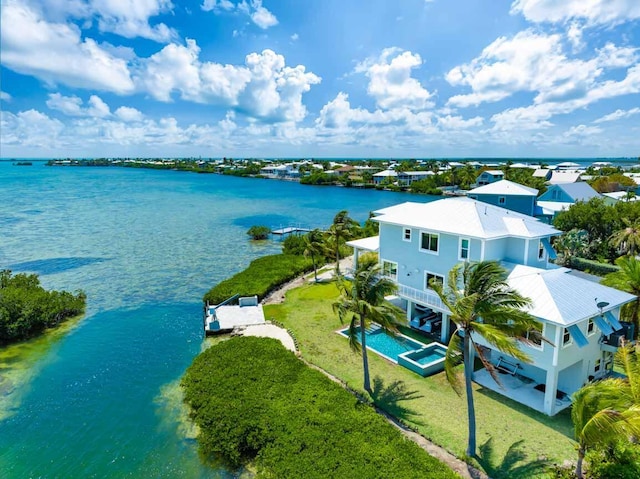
{"type": "Point", "coordinates": [258, 405]}
{"type": "Point", "coordinates": [27, 309]}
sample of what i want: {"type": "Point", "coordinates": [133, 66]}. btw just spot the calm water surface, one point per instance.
{"type": "Point", "coordinates": [101, 400]}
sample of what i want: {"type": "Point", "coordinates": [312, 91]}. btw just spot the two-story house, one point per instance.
{"type": "Point", "coordinates": [561, 196]}
{"type": "Point", "coordinates": [489, 176]}
{"type": "Point", "coordinates": [419, 242]}
{"type": "Point", "coordinates": [507, 194]}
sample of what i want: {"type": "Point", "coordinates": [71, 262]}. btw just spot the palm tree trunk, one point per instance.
{"type": "Point", "coordinates": [365, 359]}
{"type": "Point", "coordinates": [471, 412]}
{"type": "Point", "coordinates": [337, 256]}
{"type": "Point", "coordinates": [579, 463]}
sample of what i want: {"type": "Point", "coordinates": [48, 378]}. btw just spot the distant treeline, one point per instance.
{"type": "Point", "coordinates": [27, 309]}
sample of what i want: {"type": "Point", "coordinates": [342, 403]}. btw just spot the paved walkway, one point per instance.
{"type": "Point", "coordinates": [270, 331]}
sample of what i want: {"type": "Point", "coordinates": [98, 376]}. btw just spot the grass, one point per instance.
{"type": "Point", "coordinates": [514, 441]}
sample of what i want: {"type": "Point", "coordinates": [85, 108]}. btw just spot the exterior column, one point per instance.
{"type": "Point", "coordinates": [551, 387]}
{"type": "Point", "coordinates": [409, 311]}
{"type": "Point", "coordinates": [446, 326]}
{"type": "Point", "coordinates": [356, 255]}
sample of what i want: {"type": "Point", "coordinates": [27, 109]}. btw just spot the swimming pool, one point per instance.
{"type": "Point", "coordinates": [387, 345]}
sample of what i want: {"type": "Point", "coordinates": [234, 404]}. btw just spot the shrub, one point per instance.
{"type": "Point", "coordinates": [26, 308]}
{"type": "Point", "coordinates": [261, 277]}
{"type": "Point", "coordinates": [255, 402]}
{"type": "Point", "coordinates": [259, 232]}
{"type": "Point", "coordinates": [621, 461]}
{"type": "Point", "coordinates": [594, 267]}
{"type": "Point", "coordinates": [294, 244]}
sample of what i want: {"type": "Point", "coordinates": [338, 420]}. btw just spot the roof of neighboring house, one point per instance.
{"type": "Point", "coordinates": [416, 173]}
{"type": "Point", "coordinates": [558, 177]}
{"type": "Point", "coordinates": [541, 173]}
{"type": "Point", "coordinates": [467, 217]}
{"type": "Point", "coordinates": [580, 191]}
{"type": "Point", "coordinates": [621, 196]}
{"type": "Point", "coordinates": [504, 187]}
{"type": "Point", "coordinates": [567, 164]}
{"type": "Point", "coordinates": [372, 243]}
{"type": "Point", "coordinates": [552, 207]}
{"type": "Point", "coordinates": [386, 173]}
{"type": "Point", "coordinates": [554, 298]}
{"type": "Point", "coordinates": [494, 172]}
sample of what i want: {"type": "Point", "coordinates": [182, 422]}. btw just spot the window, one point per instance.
{"type": "Point", "coordinates": [566, 338]}
{"type": "Point", "coordinates": [540, 250]}
{"type": "Point", "coordinates": [597, 366]}
{"type": "Point", "coordinates": [590, 327]}
{"type": "Point", "coordinates": [464, 248]}
{"type": "Point", "coordinates": [406, 234]}
{"type": "Point", "coordinates": [431, 276]}
{"type": "Point", "coordinates": [502, 200]}
{"type": "Point", "coordinates": [473, 197]}
{"type": "Point", "coordinates": [555, 194]}
{"type": "Point", "coordinates": [390, 269]}
{"type": "Point", "coordinates": [429, 242]}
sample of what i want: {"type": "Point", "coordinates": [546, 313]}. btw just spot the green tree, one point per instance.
{"type": "Point", "coordinates": [343, 228]}
{"type": "Point", "coordinates": [361, 302]}
{"type": "Point", "coordinates": [259, 232]}
{"type": "Point", "coordinates": [486, 306]}
{"type": "Point", "coordinates": [627, 240]}
{"type": "Point", "coordinates": [627, 279]}
{"type": "Point", "coordinates": [570, 244]}
{"type": "Point", "coordinates": [315, 247]}
{"type": "Point", "coordinates": [608, 411]}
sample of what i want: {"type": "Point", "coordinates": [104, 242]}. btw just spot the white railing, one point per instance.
{"type": "Point", "coordinates": [428, 298]}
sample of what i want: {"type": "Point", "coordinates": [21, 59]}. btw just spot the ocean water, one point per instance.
{"type": "Point", "coordinates": [100, 397]}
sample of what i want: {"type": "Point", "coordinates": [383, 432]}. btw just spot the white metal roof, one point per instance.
{"type": "Point", "coordinates": [504, 187]}
{"type": "Point", "coordinates": [386, 173]}
{"type": "Point", "coordinates": [372, 243]}
{"type": "Point", "coordinates": [564, 177]}
{"type": "Point", "coordinates": [551, 207]}
{"type": "Point", "coordinates": [561, 298]}
{"type": "Point", "coordinates": [465, 217]}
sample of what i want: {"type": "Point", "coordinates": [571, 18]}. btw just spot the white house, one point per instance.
{"type": "Point", "coordinates": [579, 318]}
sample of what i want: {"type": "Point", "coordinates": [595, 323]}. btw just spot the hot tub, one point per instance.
{"type": "Point", "coordinates": [426, 361]}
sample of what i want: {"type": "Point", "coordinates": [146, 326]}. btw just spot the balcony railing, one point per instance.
{"type": "Point", "coordinates": [428, 298]}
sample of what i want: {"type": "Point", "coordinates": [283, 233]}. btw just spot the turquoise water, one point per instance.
{"type": "Point", "coordinates": [436, 355]}
{"type": "Point", "coordinates": [387, 344]}
{"type": "Point", "coordinates": [102, 400]}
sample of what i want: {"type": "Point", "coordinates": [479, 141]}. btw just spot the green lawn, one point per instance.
{"type": "Point", "coordinates": [514, 441]}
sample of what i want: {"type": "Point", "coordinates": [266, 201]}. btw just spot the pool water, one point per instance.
{"type": "Point", "coordinates": [386, 344]}
{"type": "Point", "coordinates": [429, 358]}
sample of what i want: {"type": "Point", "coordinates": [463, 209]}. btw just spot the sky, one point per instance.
{"type": "Point", "coordinates": [320, 78]}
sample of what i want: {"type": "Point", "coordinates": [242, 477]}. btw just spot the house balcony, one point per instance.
{"type": "Point", "coordinates": [427, 298]}
{"type": "Point", "coordinates": [612, 342]}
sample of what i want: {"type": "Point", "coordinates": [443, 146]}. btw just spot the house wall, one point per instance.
{"type": "Point", "coordinates": [521, 204]}
{"type": "Point", "coordinates": [555, 193]}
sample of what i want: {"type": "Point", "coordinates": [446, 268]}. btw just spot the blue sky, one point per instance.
{"type": "Point", "coordinates": [320, 78]}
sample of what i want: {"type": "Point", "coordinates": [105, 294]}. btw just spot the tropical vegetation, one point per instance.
{"type": "Point", "coordinates": [342, 229]}
{"type": "Point", "coordinates": [256, 404]}
{"type": "Point", "coordinates": [482, 304]}
{"type": "Point", "coordinates": [259, 232]}
{"type": "Point", "coordinates": [361, 302]}
{"type": "Point", "coordinates": [27, 309]}
{"type": "Point", "coordinates": [627, 279]}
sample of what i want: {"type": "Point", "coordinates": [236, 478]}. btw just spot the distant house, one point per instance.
{"type": "Point", "coordinates": [615, 196]}
{"type": "Point", "coordinates": [561, 196]}
{"type": "Point", "coordinates": [420, 242]}
{"type": "Point", "coordinates": [543, 173]}
{"type": "Point", "coordinates": [383, 175]}
{"type": "Point", "coordinates": [406, 178]}
{"type": "Point", "coordinates": [559, 176]}
{"type": "Point", "coordinates": [489, 176]}
{"type": "Point", "coordinates": [507, 194]}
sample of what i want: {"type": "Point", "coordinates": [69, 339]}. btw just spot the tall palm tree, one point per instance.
{"type": "Point", "coordinates": [482, 303]}
{"type": "Point", "coordinates": [361, 302]}
{"type": "Point", "coordinates": [608, 411]}
{"type": "Point", "coordinates": [627, 279]}
{"type": "Point", "coordinates": [627, 240]}
{"type": "Point", "coordinates": [342, 229]}
{"type": "Point", "coordinates": [315, 247]}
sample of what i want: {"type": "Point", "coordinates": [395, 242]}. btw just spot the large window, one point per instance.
{"type": "Point", "coordinates": [390, 269]}
{"type": "Point", "coordinates": [429, 277]}
{"type": "Point", "coordinates": [540, 250]}
{"type": "Point", "coordinates": [590, 327]}
{"type": "Point", "coordinates": [502, 200]}
{"type": "Point", "coordinates": [464, 248]}
{"type": "Point", "coordinates": [429, 242]}
{"type": "Point", "coordinates": [566, 338]}
{"type": "Point", "coordinates": [406, 234]}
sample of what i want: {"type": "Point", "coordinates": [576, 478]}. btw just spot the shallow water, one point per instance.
{"type": "Point", "coordinates": [100, 398]}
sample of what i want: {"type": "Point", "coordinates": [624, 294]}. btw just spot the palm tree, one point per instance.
{"type": "Point", "coordinates": [343, 228]}
{"type": "Point", "coordinates": [571, 243]}
{"type": "Point", "coordinates": [608, 410]}
{"type": "Point", "coordinates": [314, 247]}
{"type": "Point", "coordinates": [485, 306]}
{"type": "Point", "coordinates": [627, 279]}
{"type": "Point", "coordinates": [627, 240]}
{"type": "Point", "coordinates": [361, 302]}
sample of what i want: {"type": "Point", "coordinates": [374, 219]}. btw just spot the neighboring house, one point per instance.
{"type": "Point", "coordinates": [543, 173]}
{"type": "Point", "coordinates": [419, 242]}
{"type": "Point", "coordinates": [406, 178]}
{"type": "Point", "coordinates": [489, 176]}
{"type": "Point", "coordinates": [507, 194]}
{"type": "Point", "coordinates": [559, 176]}
{"type": "Point", "coordinates": [615, 196]}
{"type": "Point", "coordinates": [561, 196]}
{"type": "Point", "coordinates": [383, 175]}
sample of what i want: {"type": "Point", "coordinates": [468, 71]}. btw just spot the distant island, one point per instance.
{"type": "Point", "coordinates": [23, 163]}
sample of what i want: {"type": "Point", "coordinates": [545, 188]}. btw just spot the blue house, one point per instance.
{"type": "Point", "coordinates": [489, 176]}
{"type": "Point", "coordinates": [561, 196]}
{"type": "Point", "coordinates": [507, 194]}
{"type": "Point", "coordinates": [419, 243]}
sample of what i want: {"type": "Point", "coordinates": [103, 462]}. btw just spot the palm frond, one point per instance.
{"type": "Point", "coordinates": [487, 364]}
{"type": "Point", "coordinates": [501, 339]}
{"type": "Point", "coordinates": [452, 359]}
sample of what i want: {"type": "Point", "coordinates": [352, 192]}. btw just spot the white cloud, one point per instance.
{"type": "Point", "coordinates": [29, 128]}
{"type": "Point", "coordinates": [574, 35]}
{"type": "Point", "coordinates": [390, 81]}
{"type": "Point", "coordinates": [258, 14]}
{"type": "Point", "coordinates": [127, 18]}
{"type": "Point", "coordinates": [582, 130]}
{"type": "Point", "coordinates": [56, 53]}
{"type": "Point", "coordinates": [128, 114]}
{"type": "Point", "coordinates": [593, 12]}
{"type": "Point", "coordinates": [4, 96]}
{"type": "Point", "coordinates": [295, 37]}
{"type": "Point", "coordinates": [617, 115]}
{"type": "Point", "coordinates": [72, 105]}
